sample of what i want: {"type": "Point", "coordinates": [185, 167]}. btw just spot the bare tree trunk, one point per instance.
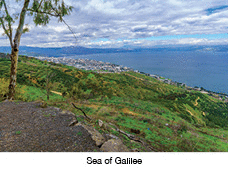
{"type": "Point", "coordinates": [13, 74]}
{"type": "Point", "coordinates": [48, 85]}
{"type": "Point", "coordinates": [15, 50]}
{"type": "Point", "coordinates": [48, 92]}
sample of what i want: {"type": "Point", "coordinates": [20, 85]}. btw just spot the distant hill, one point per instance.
{"type": "Point", "coordinates": [79, 50]}
{"type": "Point", "coordinates": [64, 51]}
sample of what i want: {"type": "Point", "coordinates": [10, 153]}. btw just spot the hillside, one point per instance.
{"type": "Point", "coordinates": [143, 112]}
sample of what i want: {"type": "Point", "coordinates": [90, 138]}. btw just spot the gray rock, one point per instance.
{"type": "Point", "coordinates": [111, 136]}
{"type": "Point", "coordinates": [135, 150]}
{"type": "Point", "coordinates": [112, 125]}
{"type": "Point", "coordinates": [114, 145]}
{"type": "Point", "coordinates": [108, 127]}
{"type": "Point", "coordinates": [96, 136]}
{"type": "Point", "coordinates": [104, 125]}
{"type": "Point", "coordinates": [100, 123]}
{"type": "Point", "coordinates": [74, 122]}
{"type": "Point", "coordinates": [56, 108]}
{"type": "Point", "coordinates": [67, 112]}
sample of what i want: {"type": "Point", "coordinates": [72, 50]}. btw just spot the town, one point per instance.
{"type": "Point", "coordinates": [86, 64]}
{"type": "Point", "coordinates": [102, 67]}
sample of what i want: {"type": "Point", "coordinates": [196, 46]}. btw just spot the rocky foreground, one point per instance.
{"type": "Point", "coordinates": [26, 127]}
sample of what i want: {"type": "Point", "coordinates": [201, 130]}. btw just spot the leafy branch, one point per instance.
{"type": "Point", "coordinates": [81, 111]}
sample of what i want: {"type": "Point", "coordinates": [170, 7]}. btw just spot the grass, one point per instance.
{"type": "Point", "coordinates": [18, 132]}
{"type": "Point", "coordinates": [47, 115]}
{"type": "Point", "coordinates": [79, 133]}
{"type": "Point", "coordinates": [33, 94]}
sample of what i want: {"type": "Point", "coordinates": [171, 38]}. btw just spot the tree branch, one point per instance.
{"type": "Point", "coordinates": [81, 111]}
{"type": "Point", "coordinates": [40, 4]}
{"type": "Point", "coordinates": [54, 15]}
{"type": "Point", "coordinates": [20, 26]}
{"type": "Point", "coordinates": [69, 29]}
{"type": "Point", "coordinates": [3, 26]}
{"type": "Point", "coordinates": [42, 12]}
{"type": "Point", "coordinates": [66, 24]}
{"type": "Point", "coordinates": [10, 27]}
{"type": "Point", "coordinates": [6, 32]}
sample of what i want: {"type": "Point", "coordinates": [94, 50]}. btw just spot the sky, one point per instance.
{"type": "Point", "coordinates": [130, 23]}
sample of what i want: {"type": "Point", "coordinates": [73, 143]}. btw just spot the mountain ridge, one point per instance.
{"type": "Point", "coordinates": [80, 50]}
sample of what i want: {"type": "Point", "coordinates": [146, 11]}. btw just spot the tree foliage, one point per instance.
{"type": "Point", "coordinates": [41, 11]}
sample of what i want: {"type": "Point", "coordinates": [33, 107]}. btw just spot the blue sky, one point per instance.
{"type": "Point", "coordinates": [136, 23]}
{"type": "Point", "coordinates": [215, 9]}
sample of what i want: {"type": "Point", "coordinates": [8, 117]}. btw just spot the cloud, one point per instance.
{"type": "Point", "coordinates": [127, 22]}
{"type": "Point", "coordinates": [150, 43]}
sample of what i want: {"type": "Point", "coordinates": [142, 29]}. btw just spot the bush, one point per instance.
{"type": "Point", "coordinates": [186, 117]}
{"type": "Point", "coordinates": [4, 83]}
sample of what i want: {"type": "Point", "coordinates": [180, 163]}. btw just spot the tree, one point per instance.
{"type": "Point", "coordinates": [41, 10]}
{"type": "Point", "coordinates": [49, 76]}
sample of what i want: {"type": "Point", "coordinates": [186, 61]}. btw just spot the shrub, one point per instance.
{"type": "Point", "coordinates": [4, 83]}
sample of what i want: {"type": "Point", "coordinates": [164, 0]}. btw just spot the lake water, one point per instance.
{"type": "Point", "coordinates": [203, 69]}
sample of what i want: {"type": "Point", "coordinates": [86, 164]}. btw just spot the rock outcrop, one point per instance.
{"type": "Point", "coordinates": [114, 145]}
{"type": "Point", "coordinates": [26, 127]}
{"type": "Point", "coordinates": [96, 136]}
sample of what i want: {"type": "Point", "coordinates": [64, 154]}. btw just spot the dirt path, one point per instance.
{"type": "Point", "coordinates": [135, 77]}
{"type": "Point", "coordinates": [56, 92]}
{"type": "Point", "coordinates": [190, 112]}
{"type": "Point", "coordinates": [196, 101]}
{"type": "Point", "coordinates": [25, 127]}
{"type": "Point", "coordinates": [142, 79]}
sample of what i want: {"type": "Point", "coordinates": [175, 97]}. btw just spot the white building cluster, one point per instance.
{"type": "Point", "coordinates": [86, 64]}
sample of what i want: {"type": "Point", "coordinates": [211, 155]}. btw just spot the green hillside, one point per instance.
{"type": "Point", "coordinates": [165, 117]}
